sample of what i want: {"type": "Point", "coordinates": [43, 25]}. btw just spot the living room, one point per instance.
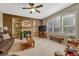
{"type": "Point", "coordinates": [33, 30]}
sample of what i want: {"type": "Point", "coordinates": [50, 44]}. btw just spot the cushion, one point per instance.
{"type": "Point", "coordinates": [72, 49]}
{"type": "Point", "coordinates": [5, 36]}
{"type": "Point", "coordinates": [0, 34]}
{"type": "Point", "coordinates": [1, 40]}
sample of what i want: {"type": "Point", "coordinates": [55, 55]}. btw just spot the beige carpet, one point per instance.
{"type": "Point", "coordinates": [43, 47]}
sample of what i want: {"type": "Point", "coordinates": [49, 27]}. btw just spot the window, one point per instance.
{"type": "Point", "coordinates": [68, 19]}
{"type": "Point", "coordinates": [69, 24]}
{"type": "Point", "coordinates": [61, 25]}
{"type": "Point", "coordinates": [69, 30]}
{"type": "Point", "coordinates": [57, 25]}
{"type": "Point", "coordinates": [50, 26]}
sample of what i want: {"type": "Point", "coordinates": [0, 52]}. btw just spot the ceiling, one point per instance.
{"type": "Point", "coordinates": [45, 11]}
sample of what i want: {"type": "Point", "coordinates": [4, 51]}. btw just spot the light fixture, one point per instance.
{"type": "Point", "coordinates": [32, 9]}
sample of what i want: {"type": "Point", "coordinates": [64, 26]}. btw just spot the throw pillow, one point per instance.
{"type": "Point", "coordinates": [1, 40]}
{"type": "Point", "coordinates": [5, 36]}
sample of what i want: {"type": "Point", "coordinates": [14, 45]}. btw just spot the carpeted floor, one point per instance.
{"type": "Point", "coordinates": [43, 47]}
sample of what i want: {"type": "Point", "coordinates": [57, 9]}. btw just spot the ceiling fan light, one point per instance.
{"type": "Point", "coordinates": [32, 9]}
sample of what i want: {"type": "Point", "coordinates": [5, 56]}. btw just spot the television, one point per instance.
{"type": "Point", "coordinates": [42, 28]}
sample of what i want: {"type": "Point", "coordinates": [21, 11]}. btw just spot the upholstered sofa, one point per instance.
{"type": "Point", "coordinates": [6, 44]}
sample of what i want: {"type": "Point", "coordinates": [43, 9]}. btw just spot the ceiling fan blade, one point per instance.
{"type": "Point", "coordinates": [26, 8]}
{"type": "Point", "coordinates": [39, 6]}
{"type": "Point", "coordinates": [37, 11]}
{"type": "Point", "coordinates": [31, 4]}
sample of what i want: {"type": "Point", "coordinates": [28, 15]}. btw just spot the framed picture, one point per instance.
{"type": "Point", "coordinates": [26, 23]}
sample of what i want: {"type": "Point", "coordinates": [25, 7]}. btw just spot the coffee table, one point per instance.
{"type": "Point", "coordinates": [28, 44]}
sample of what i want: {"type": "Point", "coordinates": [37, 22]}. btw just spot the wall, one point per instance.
{"type": "Point", "coordinates": [7, 20]}
{"type": "Point", "coordinates": [1, 20]}
{"type": "Point", "coordinates": [45, 21]}
{"type": "Point", "coordinates": [71, 9]}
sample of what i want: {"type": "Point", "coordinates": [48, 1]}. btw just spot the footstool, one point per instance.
{"type": "Point", "coordinates": [57, 53]}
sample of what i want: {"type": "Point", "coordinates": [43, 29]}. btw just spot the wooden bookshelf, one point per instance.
{"type": "Point", "coordinates": [16, 27]}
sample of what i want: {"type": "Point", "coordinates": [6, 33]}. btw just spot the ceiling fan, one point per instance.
{"type": "Point", "coordinates": [33, 8]}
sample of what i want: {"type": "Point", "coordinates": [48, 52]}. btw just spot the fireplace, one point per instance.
{"type": "Point", "coordinates": [25, 34]}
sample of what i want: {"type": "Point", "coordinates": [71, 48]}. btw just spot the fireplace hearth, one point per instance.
{"type": "Point", "coordinates": [25, 34]}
